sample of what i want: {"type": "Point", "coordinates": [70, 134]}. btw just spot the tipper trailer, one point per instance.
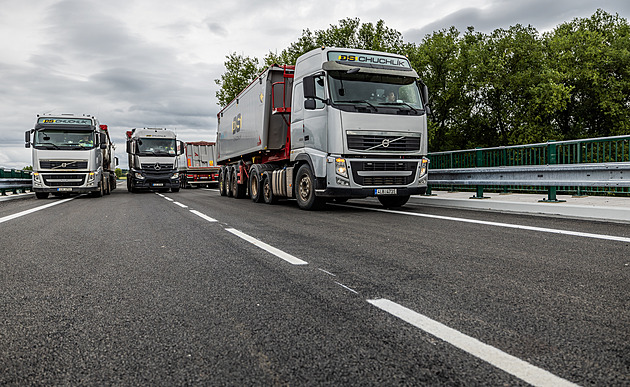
{"type": "Point", "coordinates": [200, 168]}
{"type": "Point", "coordinates": [71, 154]}
{"type": "Point", "coordinates": [340, 124]}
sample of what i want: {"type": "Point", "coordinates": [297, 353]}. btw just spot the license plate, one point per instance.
{"type": "Point", "coordinates": [157, 184]}
{"type": "Point", "coordinates": [64, 189]}
{"type": "Point", "coordinates": [385, 191]}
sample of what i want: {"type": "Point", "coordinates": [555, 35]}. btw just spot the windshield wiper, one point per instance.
{"type": "Point", "coordinates": [47, 144]}
{"type": "Point", "coordinates": [359, 101]}
{"type": "Point", "coordinates": [401, 103]}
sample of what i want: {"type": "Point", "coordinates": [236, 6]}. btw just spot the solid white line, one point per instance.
{"type": "Point", "coordinates": [19, 214]}
{"type": "Point", "coordinates": [203, 216]}
{"type": "Point", "coordinates": [180, 204]}
{"type": "Point", "coordinates": [497, 224]}
{"type": "Point", "coordinates": [344, 286]}
{"type": "Point", "coordinates": [278, 253]}
{"type": "Point", "coordinates": [508, 363]}
{"type": "Point", "coordinates": [167, 198]}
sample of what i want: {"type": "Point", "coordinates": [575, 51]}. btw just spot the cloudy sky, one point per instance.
{"type": "Point", "coordinates": [152, 63]}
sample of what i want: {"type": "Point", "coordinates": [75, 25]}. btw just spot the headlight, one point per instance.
{"type": "Point", "coordinates": [91, 177]}
{"type": "Point", "coordinates": [175, 175]}
{"type": "Point", "coordinates": [424, 166]}
{"type": "Point", "coordinates": [139, 175]}
{"type": "Point", "coordinates": [37, 178]}
{"type": "Point", "coordinates": [340, 167]}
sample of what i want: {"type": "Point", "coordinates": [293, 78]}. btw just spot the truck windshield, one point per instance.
{"type": "Point", "coordinates": [156, 147]}
{"type": "Point", "coordinates": [377, 93]}
{"type": "Point", "coordinates": [64, 139]}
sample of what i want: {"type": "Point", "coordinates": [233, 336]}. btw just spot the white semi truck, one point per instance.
{"type": "Point", "coordinates": [71, 154]}
{"type": "Point", "coordinates": [153, 161]}
{"type": "Point", "coordinates": [340, 124]}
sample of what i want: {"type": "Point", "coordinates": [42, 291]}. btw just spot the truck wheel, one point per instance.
{"type": "Point", "coordinates": [238, 190]}
{"type": "Point", "coordinates": [99, 193]}
{"type": "Point", "coordinates": [228, 182]}
{"type": "Point", "coordinates": [41, 195]}
{"type": "Point", "coordinates": [107, 190]}
{"type": "Point", "coordinates": [393, 201]}
{"type": "Point", "coordinates": [222, 182]}
{"type": "Point", "coordinates": [267, 192]}
{"type": "Point", "coordinates": [305, 189]}
{"type": "Point", "coordinates": [255, 186]}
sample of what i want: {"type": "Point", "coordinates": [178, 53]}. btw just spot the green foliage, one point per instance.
{"type": "Point", "coordinates": [512, 86]}
{"type": "Point", "coordinates": [118, 173]}
{"type": "Point", "coordinates": [240, 72]}
{"type": "Point", "coordinates": [28, 168]}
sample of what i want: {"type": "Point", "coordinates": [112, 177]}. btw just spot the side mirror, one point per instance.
{"type": "Point", "coordinates": [129, 150]}
{"type": "Point", "coordinates": [27, 139]}
{"type": "Point", "coordinates": [103, 140]}
{"type": "Point", "coordinates": [182, 148]}
{"type": "Point", "coordinates": [309, 87]}
{"type": "Point", "coordinates": [310, 104]}
{"type": "Point", "coordinates": [116, 160]}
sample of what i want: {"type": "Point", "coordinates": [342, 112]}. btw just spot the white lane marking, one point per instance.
{"type": "Point", "coordinates": [327, 272]}
{"type": "Point", "coordinates": [167, 198]}
{"type": "Point", "coordinates": [203, 216]}
{"type": "Point", "coordinates": [345, 287]}
{"type": "Point", "coordinates": [508, 363]}
{"type": "Point", "coordinates": [19, 214]}
{"type": "Point", "coordinates": [278, 253]}
{"type": "Point", "coordinates": [507, 225]}
{"type": "Point", "coordinates": [159, 194]}
{"type": "Point", "coordinates": [180, 204]}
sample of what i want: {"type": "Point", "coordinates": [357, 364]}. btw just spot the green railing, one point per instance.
{"type": "Point", "coordinates": [16, 181]}
{"type": "Point", "coordinates": [594, 150]}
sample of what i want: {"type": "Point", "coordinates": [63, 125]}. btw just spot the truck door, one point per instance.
{"type": "Point", "coordinates": [316, 120]}
{"type": "Point", "coordinates": [297, 117]}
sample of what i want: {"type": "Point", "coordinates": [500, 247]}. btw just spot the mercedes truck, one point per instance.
{"type": "Point", "coordinates": [71, 154]}
{"type": "Point", "coordinates": [338, 124]}
{"type": "Point", "coordinates": [153, 162]}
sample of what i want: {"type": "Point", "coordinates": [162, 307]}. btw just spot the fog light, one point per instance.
{"type": "Point", "coordinates": [343, 182]}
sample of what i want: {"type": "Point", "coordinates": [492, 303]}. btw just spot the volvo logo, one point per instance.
{"type": "Point", "coordinates": [63, 165]}
{"type": "Point", "coordinates": [385, 143]}
{"type": "Point", "coordinates": [157, 166]}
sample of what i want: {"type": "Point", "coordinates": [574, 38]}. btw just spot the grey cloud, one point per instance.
{"type": "Point", "coordinates": [216, 28]}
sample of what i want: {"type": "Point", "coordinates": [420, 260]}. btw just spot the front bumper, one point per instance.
{"type": "Point", "coordinates": [155, 181]}
{"type": "Point", "coordinates": [336, 192]}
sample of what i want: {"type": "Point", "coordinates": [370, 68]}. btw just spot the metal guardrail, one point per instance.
{"type": "Point", "coordinates": [15, 181]}
{"type": "Point", "coordinates": [598, 165]}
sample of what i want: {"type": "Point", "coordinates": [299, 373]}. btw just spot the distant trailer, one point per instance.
{"type": "Point", "coordinates": [200, 169]}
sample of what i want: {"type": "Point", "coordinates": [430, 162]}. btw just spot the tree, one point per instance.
{"type": "Point", "coordinates": [118, 173]}
{"type": "Point", "coordinates": [28, 168]}
{"type": "Point", "coordinates": [240, 72]}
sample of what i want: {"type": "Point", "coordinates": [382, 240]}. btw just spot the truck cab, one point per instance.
{"type": "Point", "coordinates": [71, 154]}
{"type": "Point", "coordinates": [153, 161]}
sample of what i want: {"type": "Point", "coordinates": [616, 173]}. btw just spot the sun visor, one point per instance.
{"type": "Point", "coordinates": [370, 69]}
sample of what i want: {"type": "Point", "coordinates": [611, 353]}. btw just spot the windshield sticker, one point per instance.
{"type": "Point", "coordinates": [65, 121]}
{"type": "Point", "coordinates": [369, 59]}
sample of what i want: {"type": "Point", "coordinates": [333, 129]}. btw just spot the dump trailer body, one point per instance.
{"type": "Point", "coordinates": [200, 167]}
{"type": "Point", "coordinates": [247, 126]}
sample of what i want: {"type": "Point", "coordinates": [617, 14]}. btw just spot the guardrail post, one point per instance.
{"type": "Point", "coordinates": [552, 159]}
{"type": "Point", "coordinates": [478, 164]}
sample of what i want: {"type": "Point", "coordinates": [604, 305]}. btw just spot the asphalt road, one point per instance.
{"type": "Point", "coordinates": [191, 288]}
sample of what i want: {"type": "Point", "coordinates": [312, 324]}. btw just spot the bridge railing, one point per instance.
{"type": "Point", "coordinates": [16, 181]}
{"type": "Point", "coordinates": [578, 167]}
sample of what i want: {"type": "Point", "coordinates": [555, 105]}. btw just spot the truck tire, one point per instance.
{"type": "Point", "coordinates": [100, 192]}
{"type": "Point", "coordinates": [305, 189]}
{"type": "Point", "coordinates": [393, 201]}
{"type": "Point", "coordinates": [267, 192]}
{"type": "Point", "coordinates": [238, 190]}
{"type": "Point", "coordinates": [255, 185]}
{"type": "Point", "coordinates": [228, 182]}
{"type": "Point", "coordinates": [108, 189]}
{"type": "Point", "coordinates": [41, 195]}
{"type": "Point", "coordinates": [222, 182]}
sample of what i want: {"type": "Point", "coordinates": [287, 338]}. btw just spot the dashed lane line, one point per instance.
{"type": "Point", "coordinates": [277, 252]}
{"type": "Point", "coordinates": [506, 362]}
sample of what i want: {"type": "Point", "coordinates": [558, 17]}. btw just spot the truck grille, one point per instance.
{"type": "Point", "coordinates": [383, 143]}
{"type": "Point", "coordinates": [63, 164]}
{"type": "Point", "coordinates": [157, 167]}
{"type": "Point", "coordinates": [406, 171]}
{"type": "Point", "coordinates": [64, 180]}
